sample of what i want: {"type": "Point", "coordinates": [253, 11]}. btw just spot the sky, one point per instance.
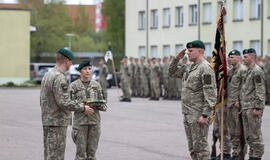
{"type": "Point", "coordinates": [85, 2]}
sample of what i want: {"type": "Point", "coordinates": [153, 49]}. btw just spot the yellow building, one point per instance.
{"type": "Point", "coordinates": [158, 28]}
{"type": "Point", "coordinates": [14, 45]}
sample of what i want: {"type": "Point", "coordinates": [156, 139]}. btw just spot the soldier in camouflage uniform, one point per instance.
{"type": "Point", "coordinates": [154, 77]}
{"type": "Point", "coordinates": [144, 71]}
{"type": "Point", "coordinates": [131, 67]}
{"type": "Point", "coordinates": [103, 71]}
{"type": "Point", "coordinates": [235, 82]}
{"type": "Point", "coordinates": [267, 79]}
{"type": "Point", "coordinates": [86, 128]}
{"type": "Point", "coordinates": [199, 96]}
{"type": "Point", "coordinates": [165, 77]}
{"type": "Point", "coordinates": [125, 80]}
{"type": "Point", "coordinates": [56, 106]}
{"type": "Point", "coordinates": [253, 103]}
{"type": "Point", "coordinates": [137, 82]}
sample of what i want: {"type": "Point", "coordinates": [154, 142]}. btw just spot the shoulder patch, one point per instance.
{"type": "Point", "coordinates": [207, 79]}
{"type": "Point", "coordinates": [258, 79]}
{"type": "Point", "coordinates": [64, 87]}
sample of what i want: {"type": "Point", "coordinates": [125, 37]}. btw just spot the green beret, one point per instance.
{"type": "Point", "coordinates": [84, 63]}
{"type": "Point", "coordinates": [195, 44]}
{"type": "Point", "coordinates": [245, 51]}
{"type": "Point", "coordinates": [67, 53]}
{"type": "Point", "coordinates": [235, 52]}
{"type": "Point", "coordinates": [250, 50]}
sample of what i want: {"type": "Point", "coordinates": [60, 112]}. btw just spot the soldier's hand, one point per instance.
{"type": "Point", "coordinates": [256, 112]}
{"type": "Point", "coordinates": [236, 104]}
{"type": "Point", "coordinates": [202, 120]}
{"type": "Point", "coordinates": [88, 110]}
{"type": "Point", "coordinates": [181, 54]}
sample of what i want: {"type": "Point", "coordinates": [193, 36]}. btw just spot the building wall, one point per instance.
{"type": "Point", "coordinates": [15, 45]}
{"type": "Point", "coordinates": [246, 30]}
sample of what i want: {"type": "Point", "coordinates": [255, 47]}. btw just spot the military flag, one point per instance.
{"type": "Point", "coordinates": [219, 65]}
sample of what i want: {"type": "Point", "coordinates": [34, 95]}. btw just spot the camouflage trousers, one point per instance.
{"type": "Point", "coordinates": [144, 87]}
{"type": "Point", "coordinates": [197, 138]}
{"type": "Point", "coordinates": [216, 131]}
{"type": "Point", "coordinates": [54, 142]}
{"type": "Point", "coordinates": [125, 86]}
{"type": "Point", "coordinates": [155, 89]}
{"type": "Point", "coordinates": [86, 138]}
{"type": "Point", "coordinates": [165, 86]}
{"type": "Point", "coordinates": [103, 85]}
{"type": "Point", "coordinates": [235, 130]}
{"type": "Point", "coordinates": [253, 133]}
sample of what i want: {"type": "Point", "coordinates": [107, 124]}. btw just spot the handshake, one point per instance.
{"type": "Point", "coordinates": [90, 105]}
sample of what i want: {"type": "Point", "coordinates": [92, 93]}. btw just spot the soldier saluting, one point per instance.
{"type": "Point", "coordinates": [199, 96]}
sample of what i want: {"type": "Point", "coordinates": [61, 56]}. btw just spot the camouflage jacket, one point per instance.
{"type": "Point", "coordinates": [79, 92]}
{"type": "Point", "coordinates": [234, 84]}
{"type": "Point", "coordinates": [253, 91]}
{"type": "Point", "coordinates": [55, 101]}
{"type": "Point", "coordinates": [125, 72]}
{"type": "Point", "coordinates": [199, 90]}
{"type": "Point", "coordinates": [155, 72]}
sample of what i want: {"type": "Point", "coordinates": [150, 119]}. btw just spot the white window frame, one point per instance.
{"type": "Point", "coordinates": [256, 44]}
{"type": "Point", "coordinates": [218, 10]}
{"type": "Point", "coordinates": [268, 47]}
{"type": "Point", "coordinates": [179, 16]}
{"type": "Point", "coordinates": [208, 49]}
{"type": "Point", "coordinates": [166, 17]}
{"type": "Point", "coordinates": [166, 50]}
{"type": "Point", "coordinates": [154, 51]}
{"type": "Point", "coordinates": [154, 18]}
{"type": "Point", "coordinates": [207, 13]}
{"type": "Point", "coordinates": [193, 14]}
{"type": "Point", "coordinates": [238, 13]}
{"type": "Point", "coordinates": [255, 9]}
{"type": "Point", "coordinates": [238, 45]}
{"type": "Point", "coordinates": [141, 20]}
{"type": "Point", "coordinates": [142, 51]}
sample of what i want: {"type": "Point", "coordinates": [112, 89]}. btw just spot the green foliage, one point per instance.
{"type": "Point", "coordinates": [52, 23]}
{"type": "Point", "coordinates": [114, 13]}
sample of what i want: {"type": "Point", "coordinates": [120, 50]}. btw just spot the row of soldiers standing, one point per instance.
{"type": "Point", "coordinates": [148, 78]}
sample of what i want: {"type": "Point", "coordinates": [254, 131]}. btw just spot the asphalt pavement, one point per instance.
{"type": "Point", "coordinates": [140, 130]}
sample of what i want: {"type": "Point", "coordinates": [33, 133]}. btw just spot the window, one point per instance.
{"type": "Point", "coordinates": [208, 50]}
{"type": "Point", "coordinates": [154, 18]}
{"type": "Point", "coordinates": [255, 9]}
{"type": "Point", "coordinates": [268, 7]}
{"type": "Point", "coordinates": [166, 50]}
{"type": "Point", "coordinates": [166, 17]}
{"type": "Point", "coordinates": [179, 16]}
{"type": "Point", "coordinates": [178, 48]}
{"type": "Point", "coordinates": [238, 10]}
{"type": "Point", "coordinates": [219, 10]}
{"type": "Point", "coordinates": [142, 21]}
{"type": "Point", "coordinates": [154, 51]}
{"type": "Point", "coordinates": [193, 14]}
{"type": "Point", "coordinates": [142, 51]}
{"type": "Point", "coordinates": [257, 46]}
{"type": "Point", "coordinates": [207, 13]}
{"type": "Point", "coordinates": [238, 45]}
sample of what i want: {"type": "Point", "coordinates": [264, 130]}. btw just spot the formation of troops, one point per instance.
{"type": "Point", "coordinates": [148, 78]}
{"type": "Point", "coordinates": [187, 76]}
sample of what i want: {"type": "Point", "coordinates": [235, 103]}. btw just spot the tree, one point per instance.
{"type": "Point", "coordinates": [114, 13]}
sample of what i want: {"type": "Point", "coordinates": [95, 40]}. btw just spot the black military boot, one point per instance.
{"type": "Point", "coordinates": [254, 158]}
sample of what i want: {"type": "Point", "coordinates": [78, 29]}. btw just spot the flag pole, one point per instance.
{"type": "Point", "coordinates": [222, 103]}
{"type": "Point", "coordinates": [114, 72]}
